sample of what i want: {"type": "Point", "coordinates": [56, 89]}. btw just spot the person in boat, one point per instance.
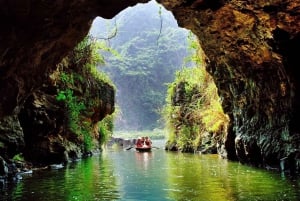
{"type": "Point", "coordinates": [143, 141]}
{"type": "Point", "coordinates": [148, 142]}
{"type": "Point", "coordinates": [139, 142]}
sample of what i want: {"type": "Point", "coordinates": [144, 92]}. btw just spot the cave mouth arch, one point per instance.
{"type": "Point", "coordinates": [138, 33]}
{"type": "Point", "coordinates": [145, 36]}
{"type": "Point", "coordinates": [258, 83]}
{"type": "Point", "coordinates": [252, 71]}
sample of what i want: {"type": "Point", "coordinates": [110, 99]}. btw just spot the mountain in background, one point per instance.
{"type": "Point", "coordinates": [151, 47]}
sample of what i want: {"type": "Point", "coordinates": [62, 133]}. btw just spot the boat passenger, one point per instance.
{"type": "Point", "coordinates": [143, 141]}
{"type": "Point", "coordinates": [139, 142]}
{"type": "Point", "coordinates": [148, 141]}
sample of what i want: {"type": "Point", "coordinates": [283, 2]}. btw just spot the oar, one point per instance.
{"type": "Point", "coordinates": [128, 148]}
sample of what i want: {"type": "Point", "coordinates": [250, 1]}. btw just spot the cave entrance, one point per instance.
{"type": "Point", "coordinates": [148, 48]}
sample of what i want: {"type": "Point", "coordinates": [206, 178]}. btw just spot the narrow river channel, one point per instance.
{"type": "Point", "coordinates": [159, 175]}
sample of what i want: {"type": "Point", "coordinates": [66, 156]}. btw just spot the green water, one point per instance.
{"type": "Point", "coordinates": [159, 176]}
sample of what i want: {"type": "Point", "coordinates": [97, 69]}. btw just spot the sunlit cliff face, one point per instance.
{"type": "Point", "coordinates": [250, 46]}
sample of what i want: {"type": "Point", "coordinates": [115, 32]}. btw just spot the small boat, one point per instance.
{"type": "Point", "coordinates": [143, 144]}
{"type": "Point", "coordinates": [143, 149]}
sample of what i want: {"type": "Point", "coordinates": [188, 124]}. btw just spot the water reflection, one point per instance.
{"type": "Point", "coordinates": [196, 177]}
{"type": "Point", "coordinates": [154, 176]}
{"type": "Point", "coordinates": [89, 179]}
{"type": "Point", "coordinates": [143, 159]}
{"type": "Point", "coordinates": [139, 175]}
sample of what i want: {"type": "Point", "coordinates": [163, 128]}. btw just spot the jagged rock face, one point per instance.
{"type": "Point", "coordinates": [34, 37]}
{"type": "Point", "coordinates": [11, 136]}
{"type": "Point", "coordinates": [45, 120]}
{"type": "Point", "coordinates": [251, 47]}
{"type": "Point", "coordinates": [42, 119]}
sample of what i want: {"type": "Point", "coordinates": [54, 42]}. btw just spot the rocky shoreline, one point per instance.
{"type": "Point", "coordinates": [13, 170]}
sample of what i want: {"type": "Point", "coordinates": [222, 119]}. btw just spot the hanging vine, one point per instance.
{"type": "Point", "coordinates": [161, 23]}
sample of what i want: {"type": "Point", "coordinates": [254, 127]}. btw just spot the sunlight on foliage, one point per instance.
{"type": "Point", "coordinates": [18, 157]}
{"type": "Point", "coordinates": [105, 128]}
{"type": "Point", "coordinates": [193, 106]}
{"type": "Point", "coordinates": [85, 58]}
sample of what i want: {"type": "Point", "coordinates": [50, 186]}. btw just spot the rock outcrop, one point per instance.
{"type": "Point", "coordinates": [11, 136]}
{"type": "Point", "coordinates": [56, 130]}
{"type": "Point", "coordinates": [251, 48]}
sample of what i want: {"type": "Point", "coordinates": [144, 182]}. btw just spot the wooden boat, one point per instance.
{"type": "Point", "coordinates": [143, 144]}
{"type": "Point", "coordinates": [143, 148]}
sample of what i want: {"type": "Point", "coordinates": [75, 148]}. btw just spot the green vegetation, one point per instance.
{"type": "Point", "coordinates": [74, 106]}
{"type": "Point", "coordinates": [77, 71]}
{"type": "Point", "coordinates": [193, 110]}
{"type": "Point", "coordinates": [149, 56]}
{"type": "Point", "coordinates": [105, 128]}
{"type": "Point", "coordinates": [19, 158]}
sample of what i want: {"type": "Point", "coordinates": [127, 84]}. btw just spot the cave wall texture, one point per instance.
{"type": "Point", "coordinates": [251, 48]}
{"type": "Point", "coordinates": [252, 53]}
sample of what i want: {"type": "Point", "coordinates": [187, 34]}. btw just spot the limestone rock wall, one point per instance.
{"type": "Point", "coordinates": [34, 37]}
{"type": "Point", "coordinates": [251, 47]}
{"type": "Point", "coordinates": [11, 136]}
{"type": "Point", "coordinates": [45, 120]}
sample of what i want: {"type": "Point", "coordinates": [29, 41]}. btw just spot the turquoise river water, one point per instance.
{"type": "Point", "coordinates": [156, 176]}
